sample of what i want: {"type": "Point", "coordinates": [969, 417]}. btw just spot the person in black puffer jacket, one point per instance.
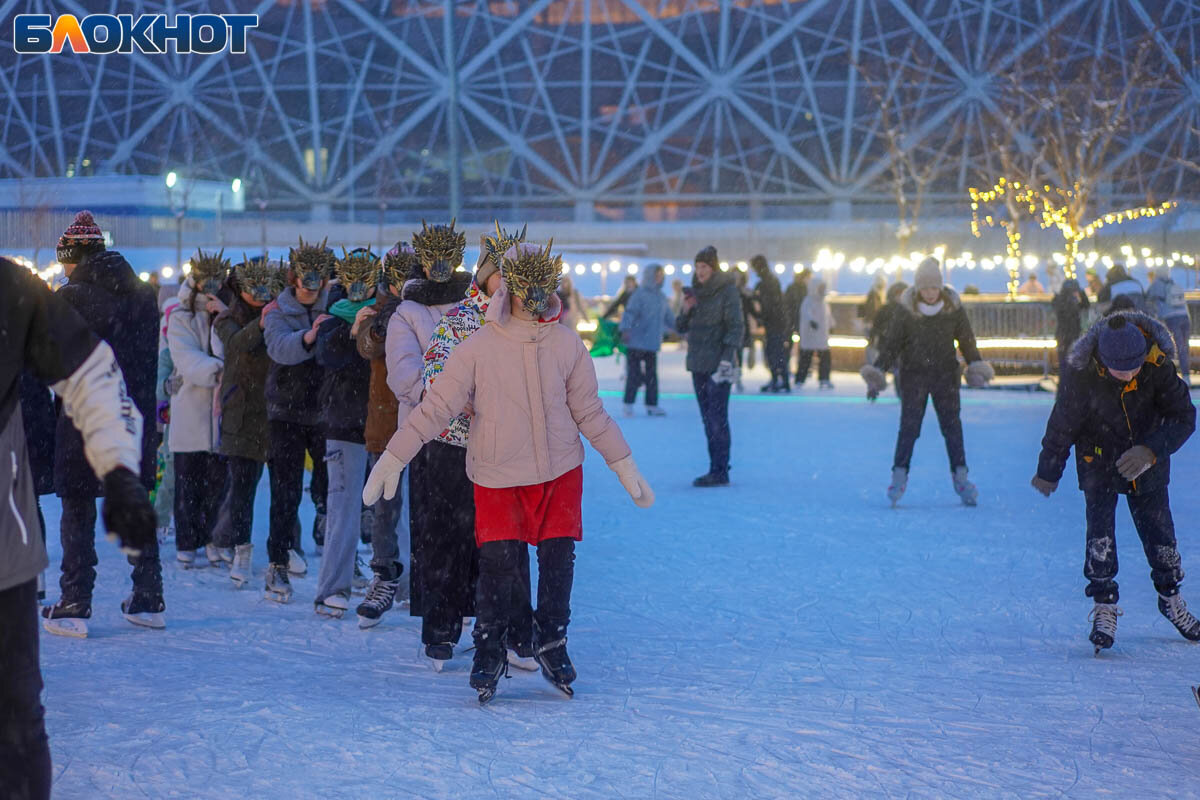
{"type": "Point", "coordinates": [1070, 305]}
{"type": "Point", "coordinates": [922, 338]}
{"type": "Point", "coordinates": [771, 312]}
{"type": "Point", "coordinates": [123, 311]}
{"type": "Point", "coordinates": [712, 319]}
{"type": "Point", "coordinates": [1124, 409]}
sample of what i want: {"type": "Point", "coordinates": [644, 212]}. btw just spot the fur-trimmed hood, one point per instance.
{"type": "Point", "coordinates": [433, 293]}
{"type": "Point", "coordinates": [950, 299]}
{"type": "Point", "coordinates": [1084, 349]}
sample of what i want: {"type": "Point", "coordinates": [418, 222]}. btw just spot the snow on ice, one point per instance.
{"type": "Point", "coordinates": [790, 636]}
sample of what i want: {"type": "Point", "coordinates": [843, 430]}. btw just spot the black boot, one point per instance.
{"type": "Point", "coordinates": [712, 479]}
{"type": "Point", "coordinates": [490, 663]}
{"type": "Point", "coordinates": [551, 655]}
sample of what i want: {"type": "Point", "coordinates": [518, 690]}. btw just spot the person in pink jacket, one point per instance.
{"type": "Point", "coordinates": [532, 389]}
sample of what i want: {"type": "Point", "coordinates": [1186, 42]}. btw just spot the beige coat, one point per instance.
{"type": "Point", "coordinates": [533, 390]}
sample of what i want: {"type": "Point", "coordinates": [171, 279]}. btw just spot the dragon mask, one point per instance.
{"type": "Point", "coordinates": [439, 250]}
{"type": "Point", "coordinates": [312, 264]}
{"type": "Point", "coordinates": [261, 279]}
{"type": "Point", "coordinates": [531, 275]}
{"type": "Point", "coordinates": [399, 264]}
{"type": "Point", "coordinates": [358, 272]}
{"type": "Point", "coordinates": [209, 271]}
{"type": "Point", "coordinates": [496, 246]}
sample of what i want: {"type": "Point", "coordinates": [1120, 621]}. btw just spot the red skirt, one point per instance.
{"type": "Point", "coordinates": [530, 514]}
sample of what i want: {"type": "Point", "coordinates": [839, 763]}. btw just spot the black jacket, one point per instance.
{"type": "Point", "coordinates": [793, 298]}
{"type": "Point", "coordinates": [40, 418]}
{"type": "Point", "coordinates": [1068, 315]}
{"type": "Point", "coordinates": [926, 344]}
{"type": "Point", "coordinates": [243, 383]}
{"type": "Point", "coordinates": [347, 381]}
{"type": "Point", "coordinates": [122, 310]}
{"type": "Point", "coordinates": [1102, 418]}
{"type": "Point", "coordinates": [714, 327]}
{"type": "Point", "coordinates": [769, 299]}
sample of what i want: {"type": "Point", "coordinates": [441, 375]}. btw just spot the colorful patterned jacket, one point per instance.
{"type": "Point", "coordinates": [457, 324]}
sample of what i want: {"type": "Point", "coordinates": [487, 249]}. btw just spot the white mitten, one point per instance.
{"type": "Point", "coordinates": [725, 373]}
{"type": "Point", "coordinates": [979, 374]}
{"type": "Point", "coordinates": [384, 479]}
{"type": "Point", "coordinates": [633, 482]}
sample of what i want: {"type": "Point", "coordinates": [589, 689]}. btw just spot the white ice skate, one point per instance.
{"type": "Point", "coordinates": [67, 619]}
{"type": "Point", "coordinates": [187, 559]}
{"type": "Point", "coordinates": [296, 564]}
{"type": "Point", "coordinates": [278, 587]}
{"type": "Point", "coordinates": [964, 488]}
{"type": "Point", "coordinates": [899, 483]}
{"type": "Point", "coordinates": [333, 606]}
{"type": "Point", "coordinates": [1104, 625]}
{"type": "Point", "coordinates": [240, 572]}
{"type": "Point", "coordinates": [627, 410]}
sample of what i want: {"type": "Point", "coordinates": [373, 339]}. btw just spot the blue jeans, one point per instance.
{"type": "Point", "coordinates": [346, 465]}
{"type": "Point", "coordinates": [713, 399]}
{"type": "Point", "coordinates": [390, 541]}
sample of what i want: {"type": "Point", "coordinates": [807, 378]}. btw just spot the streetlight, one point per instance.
{"type": "Point", "coordinates": [237, 185]}
{"type": "Point", "coordinates": [172, 179]}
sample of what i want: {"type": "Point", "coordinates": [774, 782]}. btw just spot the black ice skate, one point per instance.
{"type": "Point", "coordinates": [556, 665]}
{"type": "Point", "coordinates": [335, 605]}
{"type": "Point", "coordinates": [279, 587]}
{"type": "Point", "coordinates": [67, 619]}
{"type": "Point", "coordinates": [1104, 625]}
{"type": "Point", "coordinates": [381, 594]}
{"type": "Point", "coordinates": [439, 654]}
{"type": "Point", "coordinates": [1174, 609]}
{"type": "Point", "coordinates": [145, 610]}
{"type": "Point", "coordinates": [490, 664]}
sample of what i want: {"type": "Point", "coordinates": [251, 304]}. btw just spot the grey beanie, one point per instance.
{"type": "Point", "coordinates": [929, 274]}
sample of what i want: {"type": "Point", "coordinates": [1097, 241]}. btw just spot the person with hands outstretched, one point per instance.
{"type": "Point", "coordinates": [1125, 410]}
{"type": "Point", "coordinates": [524, 456]}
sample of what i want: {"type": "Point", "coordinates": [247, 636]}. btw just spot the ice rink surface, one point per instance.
{"type": "Point", "coordinates": [788, 636]}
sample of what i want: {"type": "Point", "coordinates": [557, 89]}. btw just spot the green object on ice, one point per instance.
{"type": "Point", "coordinates": [608, 340]}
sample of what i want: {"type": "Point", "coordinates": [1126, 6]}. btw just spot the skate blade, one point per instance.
{"type": "Point", "coordinates": [366, 622]}
{"type": "Point", "coordinates": [278, 597]}
{"type": "Point", "coordinates": [239, 583]}
{"type": "Point", "coordinates": [150, 620]}
{"type": "Point", "coordinates": [297, 573]}
{"type": "Point", "coordinates": [528, 664]}
{"type": "Point", "coordinates": [486, 695]}
{"type": "Point", "coordinates": [1196, 694]}
{"type": "Point", "coordinates": [565, 689]}
{"type": "Point", "coordinates": [437, 664]}
{"type": "Point", "coordinates": [329, 611]}
{"type": "Point", "coordinates": [66, 626]}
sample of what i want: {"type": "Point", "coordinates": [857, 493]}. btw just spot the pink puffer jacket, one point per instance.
{"type": "Point", "coordinates": [533, 389]}
{"type": "Point", "coordinates": [408, 335]}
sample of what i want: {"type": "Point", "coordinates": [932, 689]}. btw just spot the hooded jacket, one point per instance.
{"type": "Point", "coordinates": [647, 314]}
{"type": "Point", "coordinates": [816, 319]}
{"type": "Point", "coordinates": [347, 380]}
{"type": "Point", "coordinates": [926, 344]}
{"type": "Point", "coordinates": [294, 379]}
{"type": "Point", "coordinates": [533, 388]}
{"type": "Point", "coordinates": [1068, 312]}
{"type": "Point", "coordinates": [244, 382]}
{"type": "Point", "coordinates": [1102, 417]}
{"type": "Point", "coordinates": [715, 326]}
{"type": "Point", "coordinates": [1118, 282]}
{"type": "Point", "coordinates": [768, 297]}
{"type": "Point", "coordinates": [199, 358]}
{"type": "Point", "coordinates": [423, 302]}
{"type": "Point", "coordinates": [123, 311]}
{"type": "Point", "coordinates": [1165, 298]}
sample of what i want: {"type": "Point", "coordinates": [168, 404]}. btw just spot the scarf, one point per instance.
{"type": "Point", "coordinates": [929, 310]}
{"type": "Point", "coordinates": [346, 311]}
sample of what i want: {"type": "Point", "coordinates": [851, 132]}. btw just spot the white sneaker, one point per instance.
{"type": "Point", "coordinates": [240, 571]}
{"type": "Point", "coordinates": [296, 563]}
{"type": "Point", "coordinates": [627, 410]}
{"type": "Point", "coordinates": [899, 483]}
{"type": "Point", "coordinates": [213, 554]}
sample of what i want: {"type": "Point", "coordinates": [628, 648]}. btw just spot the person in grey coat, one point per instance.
{"type": "Point", "coordinates": [712, 320]}
{"type": "Point", "coordinates": [647, 316]}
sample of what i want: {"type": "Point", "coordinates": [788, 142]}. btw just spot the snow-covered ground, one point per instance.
{"type": "Point", "coordinates": [790, 636]}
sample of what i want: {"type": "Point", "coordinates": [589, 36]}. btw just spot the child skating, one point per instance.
{"type": "Point", "coordinates": [1125, 410]}
{"type": "Point", "coordinates": [532, 388]}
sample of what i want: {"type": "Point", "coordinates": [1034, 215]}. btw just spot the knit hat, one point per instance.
{"type": "Point", "coordinates": [81, 238]}
{"type": "Point", "coordinates": [1122, 345]}
{"type": "Point", "coordinates": [929, 274]}
{"type": "Point", "coordinates": [708, 256]}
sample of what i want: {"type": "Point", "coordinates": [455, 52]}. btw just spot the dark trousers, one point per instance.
{"type": "Point", "coordinates": [1151, 514]}
{"type": "Point", "coordinates": [713, 399]}
{"type": "Point", "coordinates": [24, 747]}
{"type": "Point", "coordinates": [776, 350]}
{"type": "Point", "coordinates": [641, 369]}
{"type": "Point", "coordinates": [445, 561]}
{"type": "Point", "coordinates": [244, 475]}
{"type": "Point", "coordinates": [285, 467]}
{"type": "Point", "coordinates": [915, 391]}
{"type": "Point", "coordinates": [503, 566]}
{"type": "Point", "coordinates": [200, 480]}
{"type": "Point", "coordinates": [804, 364]}
{"type": "Point", "coordinates": [77, 532]}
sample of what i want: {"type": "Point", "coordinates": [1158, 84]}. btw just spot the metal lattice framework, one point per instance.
{"type": "Point", "coordinates": [584, 109]}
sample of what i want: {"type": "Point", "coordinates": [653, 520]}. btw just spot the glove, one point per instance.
{"type": "Point", "coordinates": [173, 384]}
{"type": "Point", "coordinates": [875, 379]}
{"type": "Point", "coordinates": [634, 483]}
{"type": "Point", "coordinates": [979, 374]}
{"type": "Point", "coordinates": [1134, 461]}
{"type": "Point", "coordinates": [384, 479]}
{"type": "Point", "coordinates": [1045, 487]}
{"type": "Point", "coordinates": [128, 516]}
{"type": "Point", "coordinates": [724, 373]}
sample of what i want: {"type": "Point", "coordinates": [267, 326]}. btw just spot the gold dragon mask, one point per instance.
{"type": "Point", "coordinates": [531, 275]}
{"type": "Point", "coordinates": [440, 250]}
{"type": "Point", "coordinates": [358, 272]}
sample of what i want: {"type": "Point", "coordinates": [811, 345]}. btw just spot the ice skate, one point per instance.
{"type": "Point", "coordinates": [296, 564]}
{"type": "Point", "coordinates": [1175, 609]}
{"type": "Point", "coordinates": [627, 410]}
{"type": "Point", "coordinates": [899, 483]}
{"type": "Point", "coordinates": [1104, 625]}
{"type": "Point", "coordinates": [521, 657]}
{"type": "Point", "coordinates": [439, 655]}
{"type": "Point", "coordinates": [826, 384]}
{"type": "Point", "coordinates": [278, 587]}
{"type": "Point", "coordinates": [711, 479]}
{"type": "Point", "coordinates": [964, 488]}
{"type": "Point", "coordinates": [189, 559]}
{"type": "Point", "coordinates": [214, 555]}
{"type": "Point", "coordinates": [335, 605]}
{"type": "Point", "coordinates": [240, 571]}
{"type": "Point", "coordinates": [67, 619]}
{"type": "Point", "coordinates": [489, 665]}
{"type": "Point", "coordinates": [381, 595]}
{"type": "Point", "coordinates": [556, 665]}
{"type": "Point", "coordinates": [144, 610]}
{"type": "Point", "coordinates": [655, 411]}
{"type": "Point", "coordinates": [165, 533]}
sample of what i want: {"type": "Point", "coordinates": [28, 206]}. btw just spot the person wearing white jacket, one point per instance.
{"type": "Point", "coordinates": [816, 319]}
{"type": "Point", "coordinates": [200, 472]}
